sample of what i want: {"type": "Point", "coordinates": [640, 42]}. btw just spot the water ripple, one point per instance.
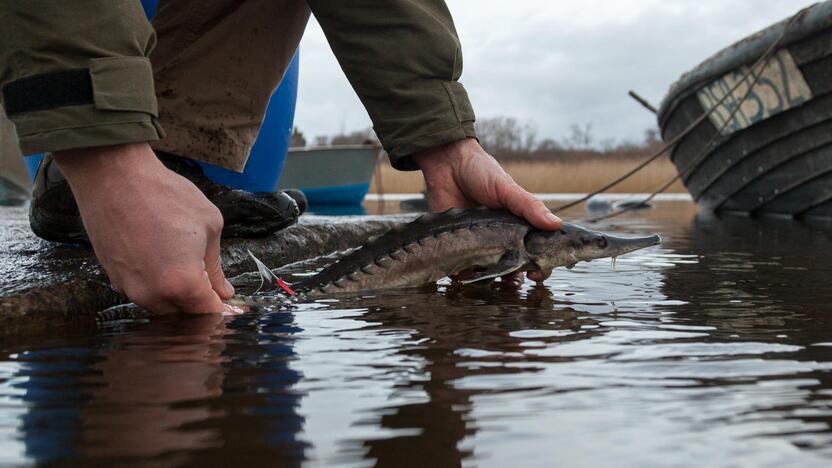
{"type": "Point", "coordinates": [711, 350]}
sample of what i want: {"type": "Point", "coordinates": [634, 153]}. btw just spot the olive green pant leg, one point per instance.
{"type": "Point", "coordinates": [404, 59]}
{"type": "Point", "coordinates": [11, 164]}
{"type": "Point", "coordinates": [216, 65]}
{"type": "Point", "coordinates": [75, 76]}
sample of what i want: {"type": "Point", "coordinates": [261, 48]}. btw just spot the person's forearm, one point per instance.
{"type": "Point", "coordinates": [88, 168]}
{"type": "Point", "coordinates": [411, 90]}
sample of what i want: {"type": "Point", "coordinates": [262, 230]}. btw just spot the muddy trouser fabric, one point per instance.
{"type": "Point", "coordinates": [81, 76]}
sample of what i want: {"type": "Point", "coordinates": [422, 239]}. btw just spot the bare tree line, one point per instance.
{"type": "Point", "coordinates": [510, 139]}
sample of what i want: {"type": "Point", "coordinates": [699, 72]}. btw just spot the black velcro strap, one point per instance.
{"type": "Point", "coordinates": [48, 91]}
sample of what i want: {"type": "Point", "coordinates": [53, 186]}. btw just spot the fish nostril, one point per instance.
{"type": "Point", "coordinates": [601, 242]}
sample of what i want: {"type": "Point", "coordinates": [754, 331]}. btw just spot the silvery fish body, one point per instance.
{"type": "Point", "coordinates": [493, 242]}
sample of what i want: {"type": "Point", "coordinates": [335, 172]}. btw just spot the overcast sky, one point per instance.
{"type": "Point", "coordinates": [557, 62]}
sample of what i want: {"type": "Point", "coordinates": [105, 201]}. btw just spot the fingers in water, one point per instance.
{"type": "Point", "coordinates": [229, 309]}
{"type": "Point", "coordinates": [213, 267]}
{"type": "Point", "coordinates": [513, 279]}
{"type": "Point", "coordinates": [539, 276]}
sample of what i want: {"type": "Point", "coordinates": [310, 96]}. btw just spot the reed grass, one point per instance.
{"type": "Point", "coordinates": [570, 173]}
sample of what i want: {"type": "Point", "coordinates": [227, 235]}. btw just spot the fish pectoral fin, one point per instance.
{"type": "Point", "coordinates": [510, 262]}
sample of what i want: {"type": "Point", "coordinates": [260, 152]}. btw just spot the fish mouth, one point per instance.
{"type": "Point", "coordinates": [622, 245]}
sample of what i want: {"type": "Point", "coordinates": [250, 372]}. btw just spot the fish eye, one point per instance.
{"type": "Point", "coordinates": [601, 242]}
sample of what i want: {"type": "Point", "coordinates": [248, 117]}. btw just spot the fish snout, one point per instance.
{"type": "Point", "coordinates": [616, 246]}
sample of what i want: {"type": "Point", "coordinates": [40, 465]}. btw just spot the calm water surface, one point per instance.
{"type": "Point", "coordinates": [714, 349]}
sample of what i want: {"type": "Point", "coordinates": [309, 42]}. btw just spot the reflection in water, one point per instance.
{"type": "Point", "coordinates": [46, 378]}
{"type": "Point", "coordinates": [764, 277]}
{"type": "Point", "coordinates": [174, 391]}
{"type": "Point", "coordinates": [714, 349]}
{"type": "Point", "coordinates": [450, 326]}
{"type": "Point", "coordinates": [139, 390]}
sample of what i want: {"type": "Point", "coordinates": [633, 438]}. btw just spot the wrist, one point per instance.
{"type": "Point", "coordinates": [98, 165]}
{"type": "Point", "coordinates": [441, 156]}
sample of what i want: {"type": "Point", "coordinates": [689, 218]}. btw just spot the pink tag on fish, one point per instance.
{"type": "Point", "coordinates": [285, 287]}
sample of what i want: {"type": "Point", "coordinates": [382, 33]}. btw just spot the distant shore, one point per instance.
{"type": "Point", "coordinates": [572, 173]}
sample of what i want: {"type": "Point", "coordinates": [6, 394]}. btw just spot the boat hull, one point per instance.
{"type": "Point", "coordinates": [338, 175]}
{"type": "Point", "coordinates": [774, 154]}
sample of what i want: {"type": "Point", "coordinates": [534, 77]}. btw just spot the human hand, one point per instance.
{"type": "Point", "coordinates": [462, 175]}
{"type": "Point", "coordinates": [153, 231]}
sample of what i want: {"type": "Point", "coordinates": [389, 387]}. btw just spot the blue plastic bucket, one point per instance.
{"type": "Point", "coordinates": [269, 152]}
{"type": "Point", "coordinates": [265, 163]}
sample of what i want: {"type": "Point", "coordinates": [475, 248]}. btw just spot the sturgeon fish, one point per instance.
{"type": "Point", "coordinates": [492, 242]}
